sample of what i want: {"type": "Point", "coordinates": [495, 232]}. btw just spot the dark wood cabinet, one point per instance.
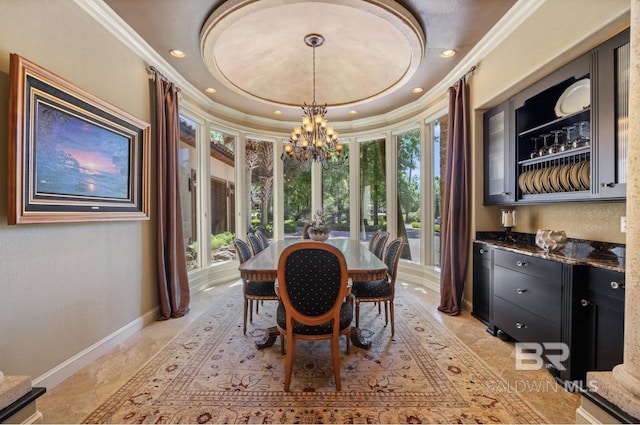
{"type": "Point", "coordinates": [499, 155]}
{"type": "Point", "coordinates": [589, 160]}
{"type": "Point", "coordinates": [482, 281]}
{"type": "Point", "coordinates": [611, 110]}
{"type": "Point", "coordinates": [528, 297]}
{"type": "Point", "coordinates": [599, 323]}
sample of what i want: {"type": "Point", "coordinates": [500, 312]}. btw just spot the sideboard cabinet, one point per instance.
{"type": "Point", "coordinates": [565, 137]}
{"type": "Point", "coordinates": [528, 298]}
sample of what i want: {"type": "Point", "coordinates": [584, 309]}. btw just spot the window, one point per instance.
{"type": "Point", "coordinates": [297, 199]}
{"type": "Point", "coordinates": [409, 194]}
{"type": "Point", "coordinates": [222, 148]}
{"type": "Point", "coordinates": [259, 168]}
{"type": "Point", "coordinates": [188, 193]}
{"type": "Point", "coordinates": [335, 197]}
{"type": "Point", "coordinates": [373, 188]}
{"type": "Point", "coordinates": [438, 134]}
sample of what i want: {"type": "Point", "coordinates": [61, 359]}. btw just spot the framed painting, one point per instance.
{"type": "Point", "coordinates": [72, 156]}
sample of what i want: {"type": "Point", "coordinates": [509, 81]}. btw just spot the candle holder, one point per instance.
{"type": "Point", "coordinates": [508, 220]}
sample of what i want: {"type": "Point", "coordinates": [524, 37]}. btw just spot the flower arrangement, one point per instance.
{"type": "Point", "coordinates": [317, 224]}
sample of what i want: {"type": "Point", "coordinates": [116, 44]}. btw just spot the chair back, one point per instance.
{"type": "Point", "coordinates": [264, 241]}
{"type": "Point", "coordinates": [255, 243]}
{"type": "Point", "coordinates": [379, 245]}
{"type": "Point", "coordinates": [391, 258]}
{"type": "Point", "coordinates": [312, 283]}
{"type": "Point", "coordinates": [374, 240]}
{"type": "Point", "coordinates": [242, 249]}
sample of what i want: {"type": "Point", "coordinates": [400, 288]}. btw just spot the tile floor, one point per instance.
{"type": "Point", "coordinates": [75, 398]}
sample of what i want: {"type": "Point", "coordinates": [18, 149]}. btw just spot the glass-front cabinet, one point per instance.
{"type": "Point", "coordinates": [569, 136]}
{"type": "Point", "coordinates": [498, 154]}
{"type": "Point", "coordinates": [612, 110]}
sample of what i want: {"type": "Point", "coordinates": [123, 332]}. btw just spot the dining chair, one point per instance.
{"type": "Point", "coordinates": [264, 241]}
{"type": "Point", "coordinates": [254, 241]}
{"type": "Point", "coordinates": [313, 286]}
{"type": "Point", "coordinates": [379, 244]}
{"type": "Point", "coordinates": [374, 239]}
{"type": "Point", "coordinates": [252, 290]}
{"type": "Point", "coordinates": [381, 291]}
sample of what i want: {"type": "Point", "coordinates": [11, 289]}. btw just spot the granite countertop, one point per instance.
{"type": "Point", "coordinates": [603, 255]}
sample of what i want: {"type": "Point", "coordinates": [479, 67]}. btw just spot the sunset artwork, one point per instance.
{"type": "Point", "coordinates": [76, 157]}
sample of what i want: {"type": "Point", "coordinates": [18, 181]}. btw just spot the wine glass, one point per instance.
{"type": "Point", "coordinates": [581, 139]}
{"type": "Point", "coordinates": [545, 149]}
{"type": "Point", "coordinates": [555, 148]}
{"type": "Point", "coordinates": [535, 153]}
{"type": "Point", "coordinates": [567, 144]}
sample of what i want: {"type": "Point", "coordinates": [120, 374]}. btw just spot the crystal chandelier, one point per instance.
{"type": "Point", "coordinates": [314, 140]}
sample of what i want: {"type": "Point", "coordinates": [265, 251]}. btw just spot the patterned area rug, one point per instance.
{"type": "Point", "coordinates": [211, 373]}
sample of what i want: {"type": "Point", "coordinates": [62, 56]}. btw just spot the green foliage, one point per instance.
{"type": "Point", "coordinates": [415, 224]}
{"type": "Point", "coordinates": [290, 226]}
{"type": "Point", "coordinates": [436, 228]}
{"type": "Point", "coordinates": [221, 239]}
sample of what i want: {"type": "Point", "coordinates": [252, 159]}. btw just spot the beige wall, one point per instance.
{"type": "Point", "coordinates": [65, 287]}
{"type": "Point", "coordinates": [556, 33]}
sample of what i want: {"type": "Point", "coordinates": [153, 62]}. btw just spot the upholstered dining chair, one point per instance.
{"type": "Point", "coordinates": [381, 291]}
{"type": "Point", "coordinates": [263, 238]}
{"type": "Point", "coordinates": [252, 290]}
{"type": "Point", "coordinates": [379, 244]}
{"type": "Point", "coordinates": [254, 241]}
{"type": "Point", "coordinates": [374, 239]}
{"type": "Point", "coordinates": [313, 287]}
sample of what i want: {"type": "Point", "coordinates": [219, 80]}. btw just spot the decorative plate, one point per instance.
{"type": "Point", "coordinates": [575, 98]}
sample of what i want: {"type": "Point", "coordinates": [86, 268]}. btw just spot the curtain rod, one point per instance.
{"type": "Point", "coordinates": [157, 73]}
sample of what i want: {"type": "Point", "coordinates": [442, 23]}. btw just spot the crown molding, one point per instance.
{"type": "Point", "coordinates": [112, 22]}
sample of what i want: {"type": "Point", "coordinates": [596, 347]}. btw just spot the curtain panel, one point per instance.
{"type": "Point", "coordinates": [173, 282]}
{"type": "Point", "coordinates": [456, 203]}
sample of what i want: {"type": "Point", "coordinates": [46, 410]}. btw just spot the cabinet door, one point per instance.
{"type": "Point", "coordinates": [482, 281]}
{"type": "Point", "coordinates": [611, 112]}
{"type": "Point", "coordinates": [499, 157]}
{"type": "Point", "coordinates": [604, 308]}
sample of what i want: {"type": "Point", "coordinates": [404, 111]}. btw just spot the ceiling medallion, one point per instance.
{"type": "Point", "coordinates": [253, 48]}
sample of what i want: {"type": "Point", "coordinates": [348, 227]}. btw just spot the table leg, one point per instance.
{"type": "Point", "coordinates": [268, 339]}
{"type": "Point", "coordinates": [272, 334]}
{"type": "Point", "coordinates": [358, 340]}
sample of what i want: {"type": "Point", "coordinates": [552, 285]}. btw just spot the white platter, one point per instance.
{"type": "Point", "coordinates": [575, 98]}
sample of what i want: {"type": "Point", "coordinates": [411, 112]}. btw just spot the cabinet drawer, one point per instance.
{"type": "Point", "coordinates": [534, 266]}
{"type": "Point", "coordinates": [539, 296]}
{"type": "Point", "coordinates": [606, 282]}
{"type": "Point", "coordinates": [522, 325]}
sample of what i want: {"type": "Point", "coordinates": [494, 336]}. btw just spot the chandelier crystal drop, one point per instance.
{"type": "Point", "coordinates": [314, 140]}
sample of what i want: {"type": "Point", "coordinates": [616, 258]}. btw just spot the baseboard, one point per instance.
{"type": "Point", "coordinates": [64, 370]}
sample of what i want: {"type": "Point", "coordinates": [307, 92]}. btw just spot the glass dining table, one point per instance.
{"type": "Point", "coordinates": [362, 265]}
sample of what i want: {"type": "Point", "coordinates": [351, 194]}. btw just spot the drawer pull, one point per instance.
{"type": "Point", "coordinates": [612, 184]}
{"type": "Point", "coordinates": [482, 250]}
{"type": "Point", "coordinates": [521, 263]}
{"type": "Point", "coordinates": [616, 285]}
{"type": "Point", "coordinates": [585, 303]}
{"type": "Point", "coordinates": [520, 325]}
{"type": "Point", "coordinates": [521, 291]}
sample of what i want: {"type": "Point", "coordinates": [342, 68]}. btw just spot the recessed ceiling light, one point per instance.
{"type": "Point", "coordinates": [353, 112]}
{"type": "Point", "coordinates": [447, 53]}
{"type": "Point", "coordinates": [210, 90]}
{"type": "Point", "coordinates": [417, 90]}
{"type": "Point", "coordinates": [177, 53]}
{"type": "Point", "coordinates": [277, 112]}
